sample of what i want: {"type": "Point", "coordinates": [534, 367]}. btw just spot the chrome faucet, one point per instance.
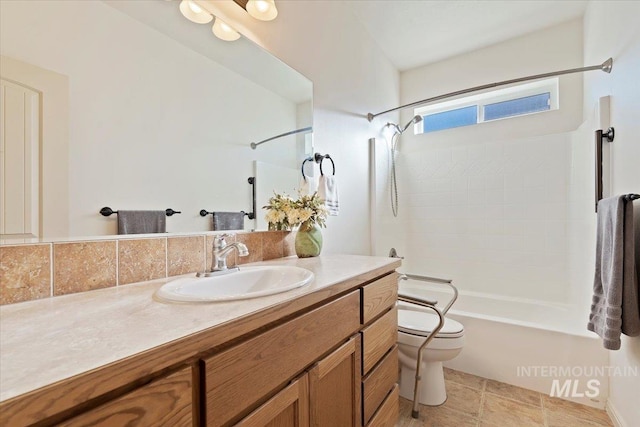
{"type": "Point", "coordinates": [221, 251]}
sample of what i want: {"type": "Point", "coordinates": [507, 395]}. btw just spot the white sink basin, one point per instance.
{"type": "Point", "coordinates": [249, 282]}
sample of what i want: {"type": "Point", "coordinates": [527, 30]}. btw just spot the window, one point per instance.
{"type": "Point", "coordinates": [499, 104]}
{"type": "Point", "coordinates": [517, 107]}
{"type": "Point", "coordinates": [464, 116]}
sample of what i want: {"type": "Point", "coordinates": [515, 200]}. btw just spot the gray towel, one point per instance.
{"type": "Point", "coordinates": [142, 222]}
{"type": "Point", "coordinates": [228, 221]}
{"type": "Point", "coordinates": [614, 308]}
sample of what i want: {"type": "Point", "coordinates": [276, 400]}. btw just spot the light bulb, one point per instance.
{"type": "Point", "coordinates": [194, 7]}
{"type": "Point", "coordinates": [262, 5]}
{"type": "Point", "coordinates": [223, 31]}
{"type": "Point", "coordinates": [194, 13]}
{"type": "Point", "coordinates": [264, 10]}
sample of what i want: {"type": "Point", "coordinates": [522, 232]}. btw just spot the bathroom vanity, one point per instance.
{"type": "Point", "coordinates": [322, 355]}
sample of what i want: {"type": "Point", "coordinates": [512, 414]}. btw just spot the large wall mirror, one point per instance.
{"type": "Point", "coordinates": [129, 105]}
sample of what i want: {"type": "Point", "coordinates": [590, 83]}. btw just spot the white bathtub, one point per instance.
{"type": "Point", "coordinates": [526, 343]}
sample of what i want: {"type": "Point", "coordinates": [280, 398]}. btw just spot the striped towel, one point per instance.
{"type": "Point", "coordinates": [328, 191]}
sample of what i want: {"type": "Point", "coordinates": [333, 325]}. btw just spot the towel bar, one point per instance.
{"type": "Point", "coordinates": [107, 211]}
{"type": "Point", "coordinates": [600, 137]}
{"type": "Point", "coordinates": [204, 212]}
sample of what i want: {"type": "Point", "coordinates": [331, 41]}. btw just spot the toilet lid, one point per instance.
{"type": "Point", "coordinates": [422, 323]}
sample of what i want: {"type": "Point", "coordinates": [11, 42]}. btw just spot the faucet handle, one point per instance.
{"type": "Point", "coordinates": [219, 242]}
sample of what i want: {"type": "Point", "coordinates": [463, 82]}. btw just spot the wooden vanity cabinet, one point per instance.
{"type": "Point", "coordinates": [332, 363]}
{"type": "Point", "coordinates": [349, 387]}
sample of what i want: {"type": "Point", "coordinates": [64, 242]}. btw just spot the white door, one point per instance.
{"type": "Point", "coordinates": [19, 160]}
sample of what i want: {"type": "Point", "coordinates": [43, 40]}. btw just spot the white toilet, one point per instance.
{"type": "Point", "coordinates": [413, 328]}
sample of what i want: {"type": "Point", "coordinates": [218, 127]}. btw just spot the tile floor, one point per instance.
{"type": "Point", "coordinates": [478, 402]}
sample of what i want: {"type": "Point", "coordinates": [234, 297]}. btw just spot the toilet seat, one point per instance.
{"type": "Point", "coordinates": [421, 323]}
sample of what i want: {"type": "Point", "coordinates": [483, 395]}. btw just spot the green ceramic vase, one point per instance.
{"type": "Point", "coordinates": [308, 240]}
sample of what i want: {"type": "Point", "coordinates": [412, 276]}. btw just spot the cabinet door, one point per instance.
{"type": "Point", "coordinates": [288, 408]}
{"type": "Point", "coordinates": [334, 388]}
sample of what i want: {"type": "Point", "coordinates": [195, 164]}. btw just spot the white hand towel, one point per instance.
{"type": "Point", "coordinates": [309, 185]}
{"type": "Point", "coordinates": [328, 190]}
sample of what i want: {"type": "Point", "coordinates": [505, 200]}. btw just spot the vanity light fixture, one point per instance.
{"type": "Point", "coordinates": [223, 31]}
{"type": "Point", "coordinates": [264, 10]}
{"type": "Point", "coordinates": [194, 13]}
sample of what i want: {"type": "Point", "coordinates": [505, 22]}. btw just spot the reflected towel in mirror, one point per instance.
{"type": "Point", "coordinates": [141, 222]}
{"type": "Point", "coordinates": [228, 221]}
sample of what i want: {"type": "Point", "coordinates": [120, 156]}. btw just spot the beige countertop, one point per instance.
{"type": "Point", "coordinates": [49, 340]}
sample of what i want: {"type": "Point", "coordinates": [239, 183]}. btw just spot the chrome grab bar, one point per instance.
{"type": "Point", "coordinates": [447, 282]}
{"type": "Point", "coordinates": [415, 412]}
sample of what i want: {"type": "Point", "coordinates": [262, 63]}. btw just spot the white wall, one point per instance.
{"type": "Point", "coordinates": [351, 76]}
{"type": "Point", "coordinates": [152, 123]}
{"type": "Point", "coordinates": [620, 40]}
{"type": "Point", "coordinates": [488, 205]}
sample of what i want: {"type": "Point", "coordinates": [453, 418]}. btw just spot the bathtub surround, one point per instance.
{"type": "Point", "coordinates": [487, 205]}
{"type": "Point", "coordinates": [35, 271]}
{"type": "Point", "coordinates": [615, 301]}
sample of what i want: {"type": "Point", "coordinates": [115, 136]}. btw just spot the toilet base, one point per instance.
{"type": "Point", "coordinates": [431, 391]}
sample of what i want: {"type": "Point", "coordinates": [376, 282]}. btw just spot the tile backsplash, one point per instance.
{"type": "Point", "coordinates": [25, 273]}
{"type": "Point", "coordinates": [43, 270]}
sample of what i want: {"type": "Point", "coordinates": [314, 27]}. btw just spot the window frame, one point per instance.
{"type": "Point", "coordinates": [510, 93]}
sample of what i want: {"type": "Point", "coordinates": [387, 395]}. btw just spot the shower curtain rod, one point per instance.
{"type": "Point", "coordinates": [305, 130]}
{"type": "Point", "coordinates": [605, 66]}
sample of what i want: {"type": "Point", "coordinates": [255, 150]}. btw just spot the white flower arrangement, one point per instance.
{"type": "Point", "coordinates": [284, 213]}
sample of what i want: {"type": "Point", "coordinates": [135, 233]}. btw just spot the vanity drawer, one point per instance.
{"type": "Point", "coordinates": [239, 377]}
{"type": "Point", "coordinates": [387, 413]}
{"type": "Point", "coordinates": [166, 401]}
{"type": "Point", "coordinates": [378, 296]}
{"type": "Point", "coordinates": [376, 385]}
{"type": "Point", "coordinates": [378, 338]}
